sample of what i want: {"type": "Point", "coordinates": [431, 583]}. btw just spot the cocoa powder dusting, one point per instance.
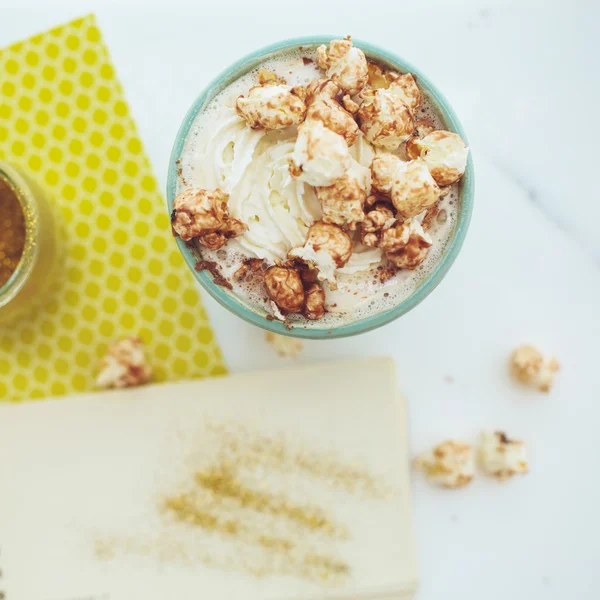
{"type": "Point", "coordinates": [386, 273]}
{"type": "Point", "coordinates": [251, 266]}
{"type": "Point", "coordinates": [213, 269]}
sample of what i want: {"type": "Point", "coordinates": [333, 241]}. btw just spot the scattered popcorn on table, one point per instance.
{"type": "Point", "coordinates": [529, 366]}
{"type": "Point", "coordinates": [500, 457]}
{"type": "Point", "coordinates": [124, 365]}
{"type": "Point", "coordinates": [283, 345]}
{"type": "Point", "coordinates": [450, 465]}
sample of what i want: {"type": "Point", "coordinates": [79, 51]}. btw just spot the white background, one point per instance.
{"type": "Point", "coordinates": [523, 77]}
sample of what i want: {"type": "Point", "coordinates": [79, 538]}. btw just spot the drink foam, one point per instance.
{"type": "Point", "coordinates": [359, 295]}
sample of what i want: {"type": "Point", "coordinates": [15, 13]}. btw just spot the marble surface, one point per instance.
{"type": "Point", "coordinates": [522, 77]}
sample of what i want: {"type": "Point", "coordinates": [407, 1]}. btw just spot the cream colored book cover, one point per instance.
{"type": "Point", "coordinates": [280, 485]}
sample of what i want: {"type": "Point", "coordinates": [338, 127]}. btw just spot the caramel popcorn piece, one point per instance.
{"type": "Point", "coordinates": [500, 457]}
{"type": "Point", "coordinates": [529, 366]}
{"type": "Point", "coordinates": [232, 228]}
{"type": "Point", "coordinates": [124, 365]}
{"type": "Point", "coordinates": [378, 77]}
{"type": "Point", "coordinates": [395, 238]}
{"type": "Point", "coordinates": [265, 76]}
{"type": "Point", "coordinates": [285, 288]}
{"type": "Point", "coordinates": [197, 212]}
{"type": "Point", "coordinates": [284, 345]}
{"type": "Point", "coordinates": [320, 155]}
{"type": "Point", "coordinates": [344, 64]}
{"type": "Point", "coordinates": [314, 307]}
{"type": "Point", "coordinates": [385, 273]}
{"type": "Point", "coordinates": [406, 244]}
{"type": "Point", "coordinates": [370, 239]}
{"type": "Point", "coordinates": [213, 240]}
{"type": "Point", "coordinates": [399, 234]}
{"type": "Point", "coordinates": [383, 170]}
{"type": "Point", "coordinates": [423, 127]}
{"type": "Point", "coordinates": [402, 86]}
{"type": "Point", "coordinates": [410, 185]}
{"type": "Point", "coordinates": [203, 214]}
{"type": "Point", "coordinates": [384, 118]}
{"type": "Point", "coordinates": [431, 215]}
{"type": "Point", "coordinates": [342, 203]}
{"type": "Point", "coordinates": [322, 89]}
{"type": "Point", "coordinates": [251, 266]}
{"type": "Point", "coordinates": [379, 218]}
{"type": "Point", "coordinates": [349, 104]}
{"type": "Point", "coordinates": [444, 153]}
{"type": "Point", "coordinates": [450, 465]}
{"type": "Point", "coordinates": [334, 117]}
{"type": "Point", "coordinates": [327, 248]}
{"type": "Point", "coordinates": [405, 87]}
{"type": "Point", "coordinates": [272, 106]}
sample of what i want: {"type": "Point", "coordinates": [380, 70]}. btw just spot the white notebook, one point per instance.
{"type": "Point", "coordinates": [283, 485]}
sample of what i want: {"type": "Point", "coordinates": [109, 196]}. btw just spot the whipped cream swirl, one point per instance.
{"type": "Point", "coordinates": [252, 167]}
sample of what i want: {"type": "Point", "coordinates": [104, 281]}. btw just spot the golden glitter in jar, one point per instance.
{"type": "Point", "coordinates": [28, 245]}
{"type": "Point", "coordinates": [12, 231]}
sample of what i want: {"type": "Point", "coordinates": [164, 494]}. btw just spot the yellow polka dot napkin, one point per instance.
{"type": "Point", "coordinates": [64, 121]}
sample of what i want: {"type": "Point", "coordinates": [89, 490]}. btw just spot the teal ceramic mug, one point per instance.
{"type": "Point", "coordinates": [429, 282]}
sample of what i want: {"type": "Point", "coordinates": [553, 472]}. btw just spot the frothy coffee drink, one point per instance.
{"type": "Point", "coordinates": [320, 187]}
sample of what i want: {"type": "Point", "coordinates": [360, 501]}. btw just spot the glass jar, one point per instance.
{"type": "Point", "coordinates": [30, 283]}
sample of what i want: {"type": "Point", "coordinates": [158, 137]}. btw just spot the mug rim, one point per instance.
{"type": "Point", "coordinates": [427, 284]}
